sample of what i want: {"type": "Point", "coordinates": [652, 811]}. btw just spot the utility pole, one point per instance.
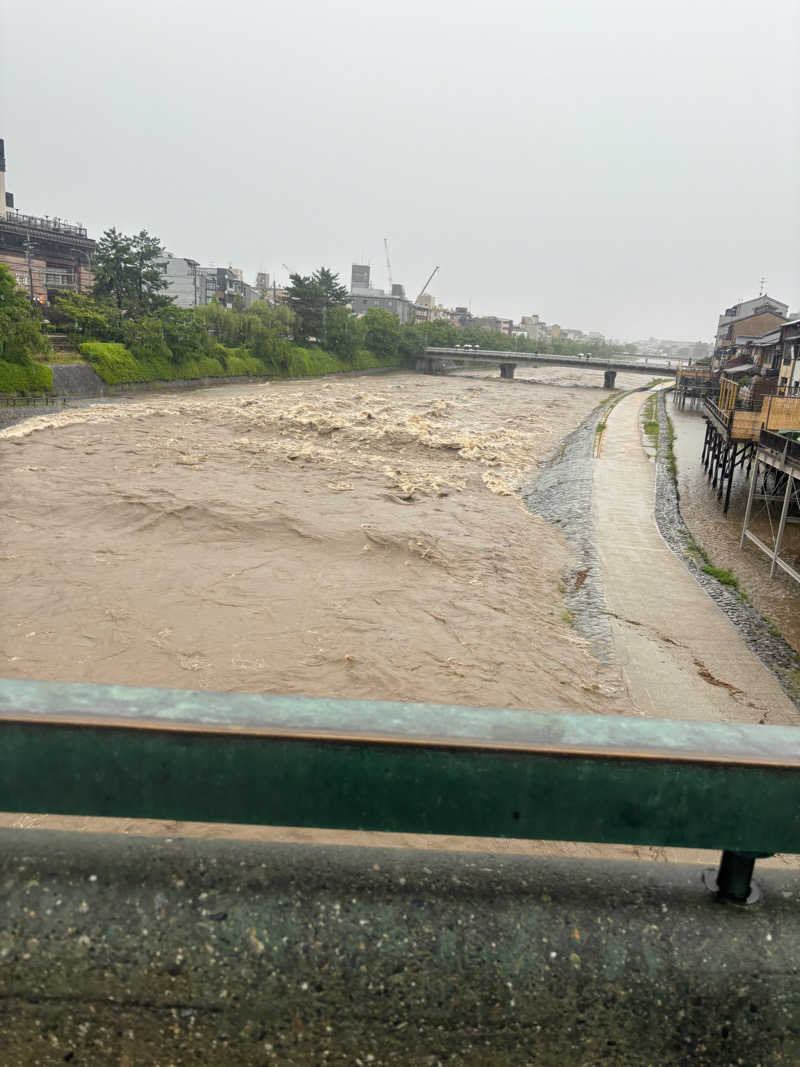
{"type": "Point", "coordinates": [30, 269]}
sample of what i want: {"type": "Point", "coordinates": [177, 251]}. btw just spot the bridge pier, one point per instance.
{"type": "Point", "coordinates": [507, 370]}
{"type": "Point", "coordinates": [429, 365]}
{"type": "Point", "coordinates": [609, 377]}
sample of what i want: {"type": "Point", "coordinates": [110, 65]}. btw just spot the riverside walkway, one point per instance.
{"type": "Point", "coordinates": [680, 655]}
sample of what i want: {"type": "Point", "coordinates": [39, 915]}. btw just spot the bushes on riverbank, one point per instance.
{"type": "Point", "coordinates": [117, 365]}
{"type": "Point", "coordinates": [21, 338]}
{"type": "Point", "coordinates": [27, 379]}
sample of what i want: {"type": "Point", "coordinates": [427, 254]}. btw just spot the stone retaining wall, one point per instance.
{"type": "Point", "coordinates": [79, 379]}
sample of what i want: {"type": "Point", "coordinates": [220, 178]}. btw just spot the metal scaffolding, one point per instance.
{"type": "Point", "coordinates": [774, 494]}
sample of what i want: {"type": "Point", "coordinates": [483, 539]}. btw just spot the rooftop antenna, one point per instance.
{"type": "Point", "coordinates": [763, 283]}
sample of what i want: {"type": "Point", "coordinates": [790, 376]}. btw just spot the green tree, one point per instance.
{"type": "Point", "coordinates": [412, 341]}
{"type": "Point", "coordinates": [81, 313]}
{"type": "Point", "coordinates": [344, 333]}
{"type": "Point", "coordinates": [311, 297]}
{"type": "Point", "coordinates": [144, 338]}
{"type": "Point", "coordinates": [382, 332]}
{"type": "Point", "coordinates": [20, 327]}
{"type": "Point", "coordinates": [441, 334]}
{"type": "Point", "coordinates": [127, 272]}
{"type": "Point", "coordinates": [184, 333]}
{"type": "Point", "coordinates": [269, 330]}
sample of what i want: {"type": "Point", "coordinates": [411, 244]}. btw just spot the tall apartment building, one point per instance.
{"type": "Point", "coordinates": [46, 255]}
{"type": "Point", "coordinates": [363, 296]}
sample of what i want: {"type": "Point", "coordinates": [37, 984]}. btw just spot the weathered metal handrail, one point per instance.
{"type": "Point", "coordinates": [723, 416]}
{"type": "Point", "coordinates": [75, 749]}
{"type": "Point", "coordinates": [781, 444]}
{"type": "Point", "coordinates": [31, 401]}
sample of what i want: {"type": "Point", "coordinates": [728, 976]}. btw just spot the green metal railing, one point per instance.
{"type": "Point", "coordinates": [365, 765]}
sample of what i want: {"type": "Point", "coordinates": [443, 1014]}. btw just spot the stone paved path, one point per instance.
{"type": "Point", "coordinates": [680, 656]}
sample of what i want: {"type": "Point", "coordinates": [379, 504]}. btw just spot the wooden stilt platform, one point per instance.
{"type": "Point", "coordinates": [732, 434]}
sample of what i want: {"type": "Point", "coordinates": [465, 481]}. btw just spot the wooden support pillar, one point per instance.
{"type": "Point", "coordinates": [722, 467]}
{"type": "Point", "coordinates": [706, 439]}
{"type": "Point", "coordinates": [731, 469]}
{"type": "Point", "coordinates": [750, 494]}
{"type": "Point", "coordinates": [715, 459]}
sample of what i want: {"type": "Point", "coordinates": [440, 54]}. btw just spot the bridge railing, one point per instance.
{"type": "Point", "coordinates": [76, 749]}
{"type": "Point", "coordinates": [643, 365]}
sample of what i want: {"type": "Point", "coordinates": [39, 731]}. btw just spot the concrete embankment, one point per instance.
{"type": "Point", "coordinates": [118, 950]}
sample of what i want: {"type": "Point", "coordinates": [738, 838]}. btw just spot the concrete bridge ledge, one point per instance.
{"type": "Point", "coordinates": [134, 950]}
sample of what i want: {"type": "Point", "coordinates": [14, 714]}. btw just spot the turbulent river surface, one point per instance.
{"type": "Point", "coordinates": [360, 537]}
{"type": "Point", "coordinates": [778, 599]}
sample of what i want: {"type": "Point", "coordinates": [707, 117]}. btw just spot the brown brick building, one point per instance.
{"type": "Point", "coordinates": [45, 255]}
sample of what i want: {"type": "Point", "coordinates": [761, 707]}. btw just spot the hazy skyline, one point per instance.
{"type": "Point", "coordinates": [625, 167]}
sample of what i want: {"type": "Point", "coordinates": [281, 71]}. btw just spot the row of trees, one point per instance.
{"type": "Point", "coordinates": [129, 305]}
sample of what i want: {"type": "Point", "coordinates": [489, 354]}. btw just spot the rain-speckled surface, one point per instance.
{"type": "Point", "coordinates": [135, 951]}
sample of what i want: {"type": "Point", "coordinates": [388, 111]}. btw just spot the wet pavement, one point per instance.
{"type": "Point", "coordinates": [680, 656]}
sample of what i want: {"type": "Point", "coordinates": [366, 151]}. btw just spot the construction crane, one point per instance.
{"type": "Point", "coordinates": [388, 263]}
{"type": "Point", "coordinates": [425, 286]}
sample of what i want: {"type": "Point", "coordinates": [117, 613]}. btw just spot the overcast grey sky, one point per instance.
{"type": "Point", "coordinates": [627, 166]}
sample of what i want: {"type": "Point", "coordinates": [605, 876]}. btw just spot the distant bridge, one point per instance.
{"type": "Point", "coordinates": [436, 360]}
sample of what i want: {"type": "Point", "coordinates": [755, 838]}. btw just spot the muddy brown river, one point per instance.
{"type": "Point", "coordinates": [359, 537]}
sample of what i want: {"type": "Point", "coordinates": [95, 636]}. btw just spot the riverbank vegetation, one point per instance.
{"type": "Point", "coordinates": [129, 330]}
{"type": "Point", "coordinates": [21, 339]}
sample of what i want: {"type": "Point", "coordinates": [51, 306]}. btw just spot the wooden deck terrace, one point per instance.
{"type": "Point", "coordinates": [692, 384]}
{"type": "Point", "coordinates": [732, 434]}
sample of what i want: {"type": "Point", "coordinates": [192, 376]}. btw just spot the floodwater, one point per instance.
{"type": "Point", "coordinates": [359, 537]}
{"type": "Point", "coordinates": [778, 598]}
